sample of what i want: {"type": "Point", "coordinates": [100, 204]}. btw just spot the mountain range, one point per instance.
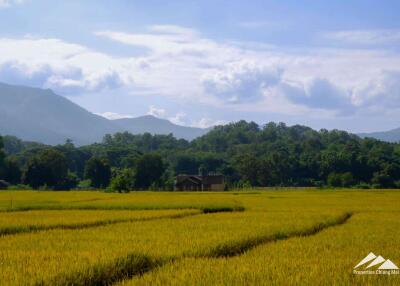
{"type": "Point", "coordinates": [389, 136]}
{"type": "Point", "coordinates": [40, 115]}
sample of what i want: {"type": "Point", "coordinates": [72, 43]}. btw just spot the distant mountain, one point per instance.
{"type": "Point", "coordinates": [41, 115]}
{"type": "Point", "coordinates": [390, 136]}
{"type": "Point", "coordinates": [154, 125]}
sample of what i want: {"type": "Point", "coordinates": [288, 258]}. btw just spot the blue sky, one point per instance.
{"type": "Point", "coordinates": [326, 64]}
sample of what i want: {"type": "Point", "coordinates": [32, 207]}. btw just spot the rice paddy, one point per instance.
{"type": "Point", "coordinates": [263, 237]}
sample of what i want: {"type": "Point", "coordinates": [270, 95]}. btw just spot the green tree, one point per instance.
{"type": "Point", "coordinates": [149, 170]}
{"type": "Point", "coordinates": [347, 179]}
{"type": "Point", "coordinates": [76, 157]}
{"type": "Point", "coordinates": [2, 156]}
{"type": "Point", "coordinates": [382, 180]}
{"type": "Point", "coordinates": [98, 171]}
{"type": "Point", "coordinates": [123, 181]}
{"type": "Point", "coordinates": [340, 179]}
{"type": "Point", "coordinates": [12, 171]}
{"type": "Point", "coordinates": [334, 180]}
{"type": "Point", "coordinates": [186, 164]}
{"type": "Point", "coordinates": [248, 168]}
{"type": "Point", "coordinates": [270, 155]}
{"type": "Point", "coordinates": [48, 168]}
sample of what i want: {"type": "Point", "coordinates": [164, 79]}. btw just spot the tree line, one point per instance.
{"type": "Point", "coordinates": [246, 153]}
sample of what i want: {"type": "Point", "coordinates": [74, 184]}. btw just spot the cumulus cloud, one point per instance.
{"type": "Point", "coordinates": [319, 93]}
{"type": "Point", "coordinates": [381, 92]}
{"type": "Point", "coordinates": [179, 118]}
{"type": "Point", "coordinates": [79, 83]}
{"type": "Point", "coordinates": [68, 81]}
{"type": "Point", "coordinates": [18, 73]}
{"type": "Point", "coordinates": [241, 82]}
{"type": "Point", "coordinates": [182, 64]}
{"type": "Point", "coordinates": [207, 123]}
{"type": "Point", "coordinates": [157, 112]}
{"type": "Point", "coordinates": [114, 115]}
{"type": "Point", "coordinates": [51, 63]}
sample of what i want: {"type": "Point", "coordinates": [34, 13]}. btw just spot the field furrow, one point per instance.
{"type": "Point", "coordinates": [34, 221]}
{"type": "Point", "coordinates": [327, 258]}
{"type": "Point", "coordinates": [234, 248]}
{"type": "Point", "coordinates": [33, 258]}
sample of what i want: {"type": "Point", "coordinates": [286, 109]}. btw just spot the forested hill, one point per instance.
{"type": "Point", "coordinates": [247, 154]}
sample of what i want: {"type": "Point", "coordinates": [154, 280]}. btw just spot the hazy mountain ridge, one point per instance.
{"type": "Point", "coordinates": [158, 126]}
{"type": "Point", "coordinates": [41, 115]}
{"type": "Point", "coordinates": [390, 136]}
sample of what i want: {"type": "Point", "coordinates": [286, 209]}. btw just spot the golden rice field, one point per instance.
{"type": "Point", "coordinates": [254, 237]}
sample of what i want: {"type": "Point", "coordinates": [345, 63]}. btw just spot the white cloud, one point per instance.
{"type": "Point", "coordinates": [8, 3]}
{"type": "Point", "coordinates": [319, 93]}
{"type": "Point", "coordinates": [184, 66]}
{"type": "Point", "coordinates": [53, 63]}
{"type": "Point", "coordinates": [179, 118]}
{"type": "Point", "coordinates": [89, 83]}
{"type": "Point", "coordinates": [241, 82]}
{"type": "Point", "coordinates": [382, 92]}
{"type": "Point", "coordinates": [157, 112]}
{"type": "Point", "coordinates": [113, 115]}
{"type": "Point", "coordinates": [207, 122]}
{"type": "Point", "coordinates": [365, 37]}
{"type": "Point", "coordinates": [161, 39]}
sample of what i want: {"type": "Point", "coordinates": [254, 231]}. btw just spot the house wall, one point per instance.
{"type": "Point", "coordinates": [217, 187]}
{"type": "Point", "coordinates": [188, 187]}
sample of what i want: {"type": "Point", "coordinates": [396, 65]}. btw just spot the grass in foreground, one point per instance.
{"type": "Point", "coordinates": [327, 258]}
{"type": "Point", "coordinates": [58, 256]}
{"type": "Point", "coordinates": [246, 247]}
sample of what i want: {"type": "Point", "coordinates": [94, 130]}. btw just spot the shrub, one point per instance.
{"type": "Point", "coordinates": [347, 179]}
{"type": "Point", "coordinates": [334, 180]}
{"type": "Point", "coordinates": [123, 181]}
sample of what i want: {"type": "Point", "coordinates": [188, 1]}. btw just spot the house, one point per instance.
{"type": "Point", "coordinates": [200, 183]}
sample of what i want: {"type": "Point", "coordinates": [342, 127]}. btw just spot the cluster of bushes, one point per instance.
{"type": "Point", "coordinates": [246, 153]}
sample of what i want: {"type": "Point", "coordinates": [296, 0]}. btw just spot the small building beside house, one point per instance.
{"type": "Point", "coordinates": [200, 183]}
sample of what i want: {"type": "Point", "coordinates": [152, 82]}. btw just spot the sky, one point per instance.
{"type": "Point", "coordinates": [324, 64]}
